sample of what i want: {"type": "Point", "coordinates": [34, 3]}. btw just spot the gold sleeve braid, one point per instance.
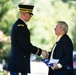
{"type": "Point", "coordinates": [37, 51]}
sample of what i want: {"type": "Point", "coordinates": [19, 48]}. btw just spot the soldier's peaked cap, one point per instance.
{"type": "Point", "coordinates": [26, 8]}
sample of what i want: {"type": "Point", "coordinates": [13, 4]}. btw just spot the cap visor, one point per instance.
{"type": "Point", "coordinates": [31, 13]}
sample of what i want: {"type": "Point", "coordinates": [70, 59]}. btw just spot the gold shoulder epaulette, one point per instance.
{"type": "Point", "coordinates": [20, 25]}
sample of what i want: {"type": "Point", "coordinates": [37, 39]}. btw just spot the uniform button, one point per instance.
{"type": "Point", "coordinates": [24, 56]}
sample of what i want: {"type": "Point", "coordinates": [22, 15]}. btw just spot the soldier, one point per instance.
{"type": "Point", "coordinates": [21, 47]}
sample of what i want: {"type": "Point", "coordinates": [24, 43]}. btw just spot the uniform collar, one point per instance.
{"type": "Point", "coordinates": [23, 20]}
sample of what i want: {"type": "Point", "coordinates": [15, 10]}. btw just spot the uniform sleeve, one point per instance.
{"type": "Point", "coordinates": [24, 39]}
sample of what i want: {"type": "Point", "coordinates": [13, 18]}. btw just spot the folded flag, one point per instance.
{"type": "Point", "coordinates": [46, 61]}
{"type": "Point", "coordinates": [49, 64]}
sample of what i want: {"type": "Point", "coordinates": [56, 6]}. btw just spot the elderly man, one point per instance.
{"type": "Point", "coordinates": [62, 50]}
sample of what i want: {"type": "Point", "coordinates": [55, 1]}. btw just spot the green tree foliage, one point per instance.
{"type": "Point", "coordinates": [6, 14]}
{"type": "Point", "coordinates": [6, 20]}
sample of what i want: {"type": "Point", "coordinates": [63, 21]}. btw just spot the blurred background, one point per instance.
{"type": "Point", "coordinates": [46, 15]}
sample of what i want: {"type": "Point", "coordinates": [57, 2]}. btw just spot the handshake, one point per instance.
{"type": "Point", "coordinates": [45, 54]}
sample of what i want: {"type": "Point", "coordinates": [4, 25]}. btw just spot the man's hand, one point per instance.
{"type": "Point", "coordinates": [55, 66]}
{"type": "Point", "coordinates": [44, 53]}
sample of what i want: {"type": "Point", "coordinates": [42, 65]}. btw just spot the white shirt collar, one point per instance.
{"type": "Point", "coordinates": [22, 20]}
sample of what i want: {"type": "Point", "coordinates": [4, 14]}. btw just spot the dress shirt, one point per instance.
{"type": "Point", "coordinates": [57, 39]}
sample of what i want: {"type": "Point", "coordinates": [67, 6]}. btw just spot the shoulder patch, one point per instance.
{"type": "Point", "coordinates": [20, 25]}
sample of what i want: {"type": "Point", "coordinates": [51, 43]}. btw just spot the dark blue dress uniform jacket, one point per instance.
{"type": "Point", "coordinates": [63, 51]}
{"type": "Point", "coordinates": [21, 48]}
